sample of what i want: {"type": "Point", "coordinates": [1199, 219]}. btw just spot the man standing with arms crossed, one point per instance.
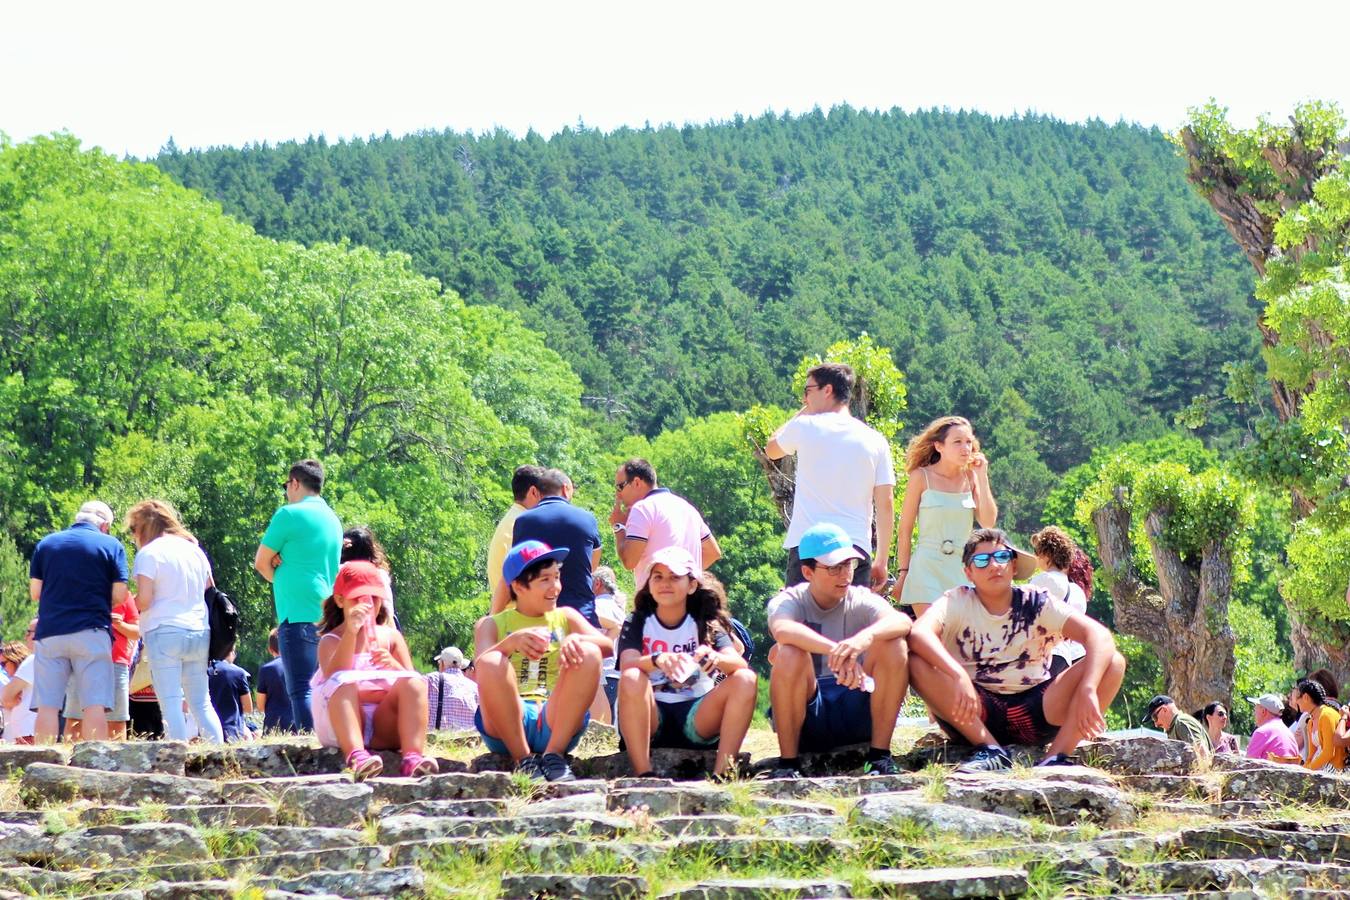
{"type": "Point", "coordinates": [844, 473]}
{"type": "Point", "coordinates": [299, 556]}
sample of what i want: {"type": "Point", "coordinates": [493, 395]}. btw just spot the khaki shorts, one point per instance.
{"type": "Point", "coordinates": [82, 659]}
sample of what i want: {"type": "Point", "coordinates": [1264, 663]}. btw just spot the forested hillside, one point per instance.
{"type": "Point", "coordinates": [1059, 284]}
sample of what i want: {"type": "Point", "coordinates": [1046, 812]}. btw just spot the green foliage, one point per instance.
{"type": "Point", "coordinates": [1295, 176]}
{"type": "Point", "coordinates": [156, 348]}
{"type": "Point", "coordinates": [15, 606]}
{"type": "Point", "coordinates": [686, 271]}
{"type": "Point", "coordinates": [880, 394]}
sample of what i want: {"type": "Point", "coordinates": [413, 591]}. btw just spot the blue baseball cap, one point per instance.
{"type": "Point", "coordinates": [526, 552]}
{"type": "Point", "coordinates": [827, 544]}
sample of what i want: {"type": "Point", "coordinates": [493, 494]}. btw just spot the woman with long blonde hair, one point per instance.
{"type": "Point", "coordinates": [948, 490]}
{"type": "Point", "coordinates": [172, 574]}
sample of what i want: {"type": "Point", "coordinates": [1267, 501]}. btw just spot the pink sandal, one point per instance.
{"type": "Point", "coordinates": [364, 764]}
{"type": "Point", "coordinates": [415, 765]}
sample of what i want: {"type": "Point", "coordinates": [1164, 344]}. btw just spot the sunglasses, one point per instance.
{"type": "Point", "coordinates": [982, 560]}
{"type": "Point", "coordinates": [620, 485]}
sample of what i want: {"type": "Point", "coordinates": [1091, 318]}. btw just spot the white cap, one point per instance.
{"type": "Point", "coordinates": [452, 657]}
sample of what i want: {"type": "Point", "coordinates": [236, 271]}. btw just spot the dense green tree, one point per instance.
{"type": "Point", "coordinates": [685, 271]}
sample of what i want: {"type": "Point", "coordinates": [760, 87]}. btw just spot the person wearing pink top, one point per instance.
{"type": "Point", "coordinates": [1272, 739]}
{"type": "Point", "coordinates": [648, 518]}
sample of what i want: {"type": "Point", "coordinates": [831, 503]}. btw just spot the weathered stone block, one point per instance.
{"type": "Point", "coordinates": [1143, 755]}
{"type": "Point", "coordinates": [886, 810]}
{"type": "Point", "coordinates": [103, 846]}
{"type": "Point", "coordinates": [804, 825]}
{"type": "Point", "coordinates": [672, 801]}
{"type": "Point", "coordinates": [192, 890]}
{"type": "Point", "coordinates": [679, 826]}
{"type": "Point", "coordinates": [281, 839]}
{"type": "Point", "coordinates": [16, 758]}
{"type": "Point", "coordinates": [343, 805]}
{"type": "Point", "coordinates": [575, 887]}
{"type": "Point", "coordinates": [1062, 803]}
{"type": "Point", "coordinates": [163, 757]}
{"type": "Point", "coordinates": [44, 783]}
{"type": "Point", "coordinates": [401, 881]}
{"type": "Point", "coordinates": [447, 809]}
{"type": "Point", "coordinates": [759, 889]}
{"type": "Point", "coordinates": [947, 884]}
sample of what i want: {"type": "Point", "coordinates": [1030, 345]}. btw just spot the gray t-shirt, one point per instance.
{"type": "Point", "coordinates": [859, 609]}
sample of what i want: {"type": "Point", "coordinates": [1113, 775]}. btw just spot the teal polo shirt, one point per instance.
{"type": "Point", "coordinates": [308, 536]}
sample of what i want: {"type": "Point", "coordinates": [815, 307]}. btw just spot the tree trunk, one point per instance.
{"type": "Point", "coordinates": [1186, 619]}
{"type": "Point", "coordinates": [1239, 208]}
{"type": "Point", "coordinates": [782, 476]}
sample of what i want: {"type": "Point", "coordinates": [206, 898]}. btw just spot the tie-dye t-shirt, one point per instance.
{"type": "Point", "coordinates": [1004, 654]}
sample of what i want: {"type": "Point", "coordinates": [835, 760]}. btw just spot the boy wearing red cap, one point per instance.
{"type": "Point", "coordinates": [539, 667]}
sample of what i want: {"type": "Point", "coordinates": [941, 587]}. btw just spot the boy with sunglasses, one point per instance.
{"type": "Point", "coordinates": [980, 657]}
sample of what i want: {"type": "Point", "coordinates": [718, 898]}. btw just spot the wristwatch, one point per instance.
{"type": "Point", "coordinates": [619, 526]}
{"type": "Point", "coordinates": [653, 659]}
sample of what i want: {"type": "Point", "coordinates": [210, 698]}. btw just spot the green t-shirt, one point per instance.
{"type": "Point", "coordinates": [535, 678]}
{"type": "Point", "coordinates": [1185, 728]}
{"type": "Point", "coordinates": [308, 536]}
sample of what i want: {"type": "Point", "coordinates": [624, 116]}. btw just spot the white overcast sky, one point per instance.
{"type": "Point", "coordinates": [126, 76]}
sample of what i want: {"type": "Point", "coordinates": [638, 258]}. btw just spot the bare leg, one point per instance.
{"type": "Point", "coordinates": [344, 714]}
{"type": "Point", "coordinates": [499, 703]}
{"type": "Point", "coordinates": [638, 718]}
{"type": "Point", "coordinates": [792, 683]}
{"type": "Point", "coordinates": [1061, 702]}
{"type": "Point", "coordinates": [939, 692]}
{"type": "Point", "coordinates": [571, 698]}
{"type": "Point", "coordinates": [117, 731]}
{"type": "Point", "coordinates": [888, 664]}
{"type": "Point", "coordinates": [44, 729]}
{"type": "Point", "coordinates": [401, 718]}
{"type": "Point", "coordinates": [94, 725]}
{"type": "Point", "coordinates": [600, 711]}
{"type": "Point", "coordinates": [726, 712]}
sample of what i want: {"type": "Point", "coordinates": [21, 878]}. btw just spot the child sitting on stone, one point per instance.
{"type": "Point", "coordinates": [539, 667]}
{"type": "Point", "coordinates": [366, 693]}
{"type": "Point", "coordinates": [682, 683]}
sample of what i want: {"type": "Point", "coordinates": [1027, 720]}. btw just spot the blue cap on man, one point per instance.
{"type": "Point", "coordinates": [827, 544]}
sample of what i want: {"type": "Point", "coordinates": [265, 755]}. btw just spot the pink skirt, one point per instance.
{"type": "Point", "coordinates": [323, 691]}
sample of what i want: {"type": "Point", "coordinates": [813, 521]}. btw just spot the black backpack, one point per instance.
{"type": "Point", "coordinates": [223, 619]}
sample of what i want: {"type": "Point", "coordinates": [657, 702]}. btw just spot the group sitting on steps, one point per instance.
{"type": "Point", "coordinates": [997, 662]}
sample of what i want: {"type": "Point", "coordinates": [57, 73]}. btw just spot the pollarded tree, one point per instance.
{"type": "Point", "coordinates": [1172, 545]}
{"type": "Point", "coordinates": [1283, 191]}
{"type": "Point", "coordinates": [878, 399]}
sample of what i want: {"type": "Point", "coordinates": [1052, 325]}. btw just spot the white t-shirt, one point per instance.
{"type": "Point", "coordinates": [645, 633]}
{"type": "Point", "coordinates": [1004, 654]}
{"type": "Point", "coordinates": [839, 462]}
{"type": "Point", "coordinates": [662, 520]}
{"type": "Point", "coordinates": [180, 572]}
{"type": "Point", "coordinates": [1059, 587]}
{"type": "Point", "coordinates": [20, 721]}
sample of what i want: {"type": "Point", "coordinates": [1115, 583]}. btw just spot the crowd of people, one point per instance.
{"type": "Point", "coordinates": [996, 641]}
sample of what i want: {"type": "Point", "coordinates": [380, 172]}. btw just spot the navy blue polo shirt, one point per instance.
{"type": "Point", "coordinates": [78, 568]}
{"type": "Point", "coordinates": [272, 682]}
{"type": "Point", "coordinates": [560, 524]}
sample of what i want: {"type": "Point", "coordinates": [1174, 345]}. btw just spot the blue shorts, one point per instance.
{"type": "Point", "coordinates": [675, 726]}
{"type": "Point", "coordinates": [835, 717]}
{"type": "Point", "coordinates": [537, 732]}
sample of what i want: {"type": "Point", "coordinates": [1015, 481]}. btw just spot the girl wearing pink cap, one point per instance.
{"type": "Point", "coordinates": [366, 694]}
{"type": "Point", "coordinates": [682, 682]}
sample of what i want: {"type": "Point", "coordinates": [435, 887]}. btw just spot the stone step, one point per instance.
{"type": "Point", "coordinates": [44, 783]}
{"type": "Point", "coordinates": [241, 815]}
{"type": "Point", "coordinates": [885, 811]}
{"type": "Point", "coordinates": [575, 887]}
{"type": "Point", "coordinates": [1059, 802]}
{"type": "Point", "coordinates": [161, 757]}
{"type": "Point", "coordinates": [942, 884]}
{"type": "Point", "coordinates": [1272, 875]}
{"type": "Point", "coordinates": [755, 850]}
{"type": "Point", "coordinates": [1299, 843]}
{"type": "Point", "coordinates": [758, 889]}
{"type": "Point", "coordinates": [398, 829]}
{"type": "Point", "coordinates": [396, 881]}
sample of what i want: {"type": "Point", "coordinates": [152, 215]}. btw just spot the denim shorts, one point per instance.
{"type": "Point", "coordinates": [676, 726]}
{"type": "Point", "coordinates": [84, 659]}
{"type": "Point", "coordinates": [537, 732]}
{"type": "Point", "coordinates": [835, 717]}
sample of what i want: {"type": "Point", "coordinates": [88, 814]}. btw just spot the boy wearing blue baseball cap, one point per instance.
{"type": "Point", "coordinates": [840, 667]}
{"type": "Point", "coordinates": [539, 667]}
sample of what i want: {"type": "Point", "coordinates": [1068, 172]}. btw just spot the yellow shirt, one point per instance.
{"type": "Point", "coordinates": [500, 545]}
{"type": "Point", "coordinates": [534, 677]}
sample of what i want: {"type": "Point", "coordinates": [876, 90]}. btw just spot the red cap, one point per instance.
{"type": "Point", "coordinates": [359, 578]}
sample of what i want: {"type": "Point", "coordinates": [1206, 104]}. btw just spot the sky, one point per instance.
{"type": "Point", "coordinates": [128, 76]}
